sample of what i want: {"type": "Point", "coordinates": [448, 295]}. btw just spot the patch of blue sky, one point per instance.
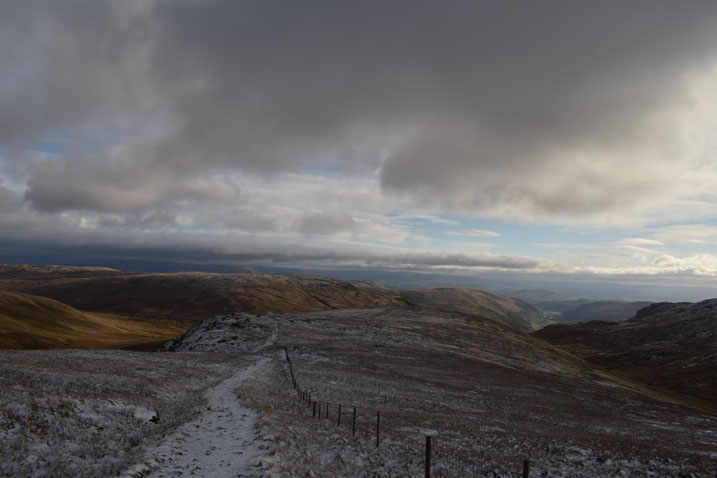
{"type": "Point", "coordinates": [97, 137]}
{"type": "Point", "coordinates": [464, 233]}
{"type": "Point", "coordinates": [53, 147]}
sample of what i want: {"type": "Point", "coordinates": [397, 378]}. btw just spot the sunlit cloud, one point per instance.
{"type": "Point", "coordinates": [179, 125]}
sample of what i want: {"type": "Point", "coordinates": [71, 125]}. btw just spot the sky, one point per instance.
{"type": "Point", "coordinates": [559, 137]}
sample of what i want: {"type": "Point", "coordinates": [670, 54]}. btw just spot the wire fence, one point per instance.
{"type": "Point", "coordinates": [321, 409]}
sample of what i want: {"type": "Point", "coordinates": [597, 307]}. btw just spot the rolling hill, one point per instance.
{"type": "Point", "coordinates": [488, 393]}
{"type": "Point", "coordinates": [176, 301]}
{"type": "Point", "coordinates": [184, 299]}
{"type": "Point", "coordinates": [32, 322]}
{"type": "Point", "coordinates": [511, 311]}
{"type": "Point", "coordinates": [672, 346]}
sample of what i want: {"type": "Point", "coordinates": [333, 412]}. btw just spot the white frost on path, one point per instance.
{"type": "Point", "coordinates": [219, 443]}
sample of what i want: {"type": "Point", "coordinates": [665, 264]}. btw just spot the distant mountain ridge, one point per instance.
{"type": "Point", "coordinates": [666, 345]}
{"type": "Point", "coordinates": [177, 301]}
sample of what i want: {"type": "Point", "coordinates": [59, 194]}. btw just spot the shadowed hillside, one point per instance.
{"type": "Point", "coordinates": [32, 322]}
{"type": "Point", "coordinates": [602, 310]}
{"type": "Point", "coordinates": [667, 345]}
{"type": "Point", "coordinates": [515, 312]}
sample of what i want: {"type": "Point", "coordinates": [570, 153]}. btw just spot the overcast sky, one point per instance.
{"type": "Point", "coordinates": [551, 136]}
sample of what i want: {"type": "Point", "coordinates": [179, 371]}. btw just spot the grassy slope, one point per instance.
{"type": "Point", "coordinates": [511, 311]}
{"type": "Point", "coordinates": [32, 322]}
{"type": "Point", "coordinates": [174, 302]}
{"type": "Point", "coordinates": [674, 353]}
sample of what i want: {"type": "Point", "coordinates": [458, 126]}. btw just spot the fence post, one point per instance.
{"type": "Point", "coordinates": [353, 425]}
{"type": "Point", "coordinates": [338, 420]}
{"type": "Point", "coordinates": [428, 456]}
{"type": "Point", "coordinates": [378, 423]}
{"type": "Point", "coordinates": [291, 369]}
{"type": "Point", "coordinates": [327, 410]}
{"type": "Point", "coordinates": [526, 469]}
{"type": "Point", "coordinates": [313, 411]}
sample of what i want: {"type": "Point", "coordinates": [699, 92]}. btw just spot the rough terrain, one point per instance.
{"type": "Point", "coordinates": [491, 395]}
{"type": "Point", "coordinates": [667, 345]}
{"type": "Point", "coordinates": [85, 413]}
{"type": "Point", "coordinates": [220, 442]}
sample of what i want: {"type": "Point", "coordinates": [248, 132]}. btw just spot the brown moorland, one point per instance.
{"type": "Point", "coordinates": [672, 346]}
{"type": "Point", "coordinates": [32, 322]}
{"type": "Point", "coordinates": [493, 395]}
{"type": "Point", "coordinates": [174, 302]}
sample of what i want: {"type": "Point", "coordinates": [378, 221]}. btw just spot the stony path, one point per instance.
{"type": "Point", "coordinates": [219, 443]}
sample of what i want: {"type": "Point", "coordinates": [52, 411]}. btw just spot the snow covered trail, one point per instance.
{"type": "Point", "coordinates": [219, 443]}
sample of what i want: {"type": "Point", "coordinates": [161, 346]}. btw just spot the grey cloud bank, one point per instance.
{"type": "Point", "coordinates": [555, 112]}
{"type": "Point", "coordinates": [470, 104]}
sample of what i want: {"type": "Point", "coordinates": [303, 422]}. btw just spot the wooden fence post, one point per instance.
{"type": "Point", "coordinates": [313, 411]}
{"type": "Point", "coordinates": [428, 456]}
{"type": "Point", "coordinates": [378, 423]}
{"type": "Point", "coordinates": [338, 420]}
{"type": "Point", "coordinates": [353, 425]}
{"type": "Point", "coordinates": [327, 410]}
{"type": "Point", "coordinates": [526, 469]}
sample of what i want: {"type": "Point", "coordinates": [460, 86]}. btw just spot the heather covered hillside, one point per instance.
{"type": "Point", "coordinates": [666, 345]}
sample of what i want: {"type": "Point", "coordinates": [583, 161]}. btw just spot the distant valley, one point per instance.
{"type": "Point", "coordinates": [583, 310]}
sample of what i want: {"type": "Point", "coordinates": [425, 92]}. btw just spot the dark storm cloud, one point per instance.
{"type": "Point", "coordinates": [199, 249]}
{"type": "Point", "coordinates": [465, 105]}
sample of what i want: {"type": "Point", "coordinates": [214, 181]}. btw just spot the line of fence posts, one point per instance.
{"type": "Point", "coordinates": [305, 395]}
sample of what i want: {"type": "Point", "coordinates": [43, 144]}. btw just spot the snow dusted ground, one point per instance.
{"type": "Point", "coordinates": [493, 397]}
{"type": "Point", "coordinates": [93, 413]}
{"type": "Point", "coordinates": [220, 442]}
